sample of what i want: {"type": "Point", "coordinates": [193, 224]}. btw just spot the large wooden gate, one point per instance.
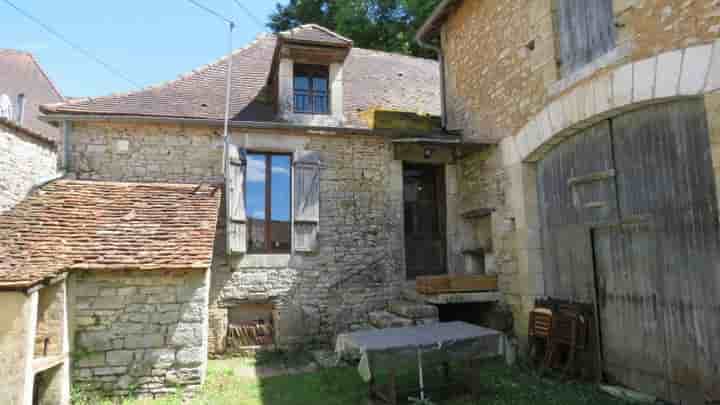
{"type": "Point", "coordinates": [629, 220]}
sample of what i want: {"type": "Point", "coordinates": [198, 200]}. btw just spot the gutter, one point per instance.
{"type": "Point", "coordinates": [441, 62]}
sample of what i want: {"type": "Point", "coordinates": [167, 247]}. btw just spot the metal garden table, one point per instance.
{"type": "Point", "coordinates": [387, 354]}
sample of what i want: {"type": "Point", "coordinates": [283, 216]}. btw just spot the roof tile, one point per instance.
{"type": "Point", "coordinates": [372, 79]}
{"type": "Point", "coordinates": [102, 225]}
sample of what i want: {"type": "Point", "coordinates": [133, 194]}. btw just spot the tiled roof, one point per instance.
{"type": "Point", "coordinates": [21, 74]}
{"type": "Point", "coordinates": [372, 79]}
{"type": "Point", "coordinates": [69, 225]}
{"type": "Point", "coordinates": [315, 34]}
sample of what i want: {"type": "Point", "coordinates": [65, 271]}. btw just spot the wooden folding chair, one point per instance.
{"type": "Point", "coordinates": [539, 331]}
{"type": "Point", "coordinates": [569, 329]}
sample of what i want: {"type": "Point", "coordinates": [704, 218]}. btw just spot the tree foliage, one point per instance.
{"type": "Point", "coordinates": [387, 25]}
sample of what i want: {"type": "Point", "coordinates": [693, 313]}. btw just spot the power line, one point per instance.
{"type": "Point", "coordinates": [211, 11]}
{"type": "Point", "coordinates": [250, 14]}
{"type": "Point", "coordinates": [76, 47]}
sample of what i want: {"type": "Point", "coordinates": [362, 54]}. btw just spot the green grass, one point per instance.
{"type": "Point", "coordinates": [228, 384]}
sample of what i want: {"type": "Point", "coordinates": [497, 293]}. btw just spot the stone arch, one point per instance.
{"type": "Point", "coordinates": [682, 73]}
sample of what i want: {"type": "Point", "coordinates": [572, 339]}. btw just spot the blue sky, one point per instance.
{"type": "Point", "coordinates": [149, 41]}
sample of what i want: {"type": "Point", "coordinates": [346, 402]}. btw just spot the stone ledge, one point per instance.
{"type": "Point", "coordinates": [681, 73]}
{"type": "Point", "coordinates": [464, 298]}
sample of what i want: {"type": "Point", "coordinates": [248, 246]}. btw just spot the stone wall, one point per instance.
{"type": "Point", "coordinates": [24, 162]}
{"type": "Point", "coordinates": [146, 152]}
{"type": "Point", "coordinates": [360, 263]}
{"type": "Point", "coordinates": [712, 106]}
{"type": "Point", "coordinates": [50, 320]}
{"type": "Point", "coordinates": [501, 55]}
{"type": "Point", "coordinates": [139, 332]}
{"type": "Point", "coordinates": [359, 266]}
{"type": "Point", "coordinates": [15, 329]}
{"type": "Point", "coordinates": [504, 82]}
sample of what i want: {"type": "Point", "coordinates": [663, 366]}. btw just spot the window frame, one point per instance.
{"type": "Point", "coordinates": [268, 249]}
{"type": "Point", "coordinates": [311, 72]}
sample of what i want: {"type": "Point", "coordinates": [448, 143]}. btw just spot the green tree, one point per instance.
{"type": "Point", "coordinates": [387, 25]}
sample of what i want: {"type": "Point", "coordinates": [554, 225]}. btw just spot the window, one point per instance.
{"type": "Point", "coordinates": [20, 108]}
{"type": "Point", "coordinates": [311, 89]}
{"type": "Point", "coordinates": [267, 198]}
{"type": "Point", "coordinates": [586, 30]}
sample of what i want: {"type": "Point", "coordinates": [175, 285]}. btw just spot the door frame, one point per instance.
{"type": "Point", "coordinates": [441, 206]}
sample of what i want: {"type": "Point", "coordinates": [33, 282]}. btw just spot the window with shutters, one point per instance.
{"type": "Point", "coordinates": [586, 31]}
{"type": "Point", "coordinates": [310, 86]}
{"type": "Point", "coordinates": [268, 203]}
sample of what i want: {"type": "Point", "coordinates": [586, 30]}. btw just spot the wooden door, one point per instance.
{"type": "Point", "coordinates": [665, 179]}
{"type": "Point", "coordinates": [424, 204]}
{"type": "Point", "coordinates": [629, 290]}
{"type": "Point", "coordinates": [575, 188]}
{"type": "Point", "coordinates": [629, 218]}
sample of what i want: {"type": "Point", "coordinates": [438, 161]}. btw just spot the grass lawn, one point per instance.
{"type": "Point", "coordinates": [233, 381]}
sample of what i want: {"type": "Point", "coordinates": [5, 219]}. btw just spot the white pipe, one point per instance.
{"type": "Point", "coordinates": [420, 371]}
{"type": "Point", "coordinates": [228, 85]}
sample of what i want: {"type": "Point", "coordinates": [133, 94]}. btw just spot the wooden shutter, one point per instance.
{"type": "Point", "coordinates": [306, 175]}
{"type": "Point", "coordinates": [235, 200]}
{"type": "Point", "coordinates": [586, 30]}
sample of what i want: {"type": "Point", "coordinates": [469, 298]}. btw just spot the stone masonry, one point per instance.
{"type": "Point", "coordinates": [139, 332]}
{"type": "Point", "coordinates": [358, 268]}
{"type": "Point", "coordinates": [501, 56]}
{"type": "Point", "coordinates": [360, 264]}
{"type": "Point", "coordinates": [503, 82]}
{"type": "Point", "coordinates": [146, 153]}
{"type": "Point", "coordinates": [24, 161]}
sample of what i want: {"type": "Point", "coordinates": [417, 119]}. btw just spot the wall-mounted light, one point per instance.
{"type": "Point", "coordinates": [427, 153]}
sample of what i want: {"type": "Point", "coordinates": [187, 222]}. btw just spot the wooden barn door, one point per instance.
{"type": "Point", "coordinates": [577, 190]}
{"type": "Point", "coordinates": [665, 180]}
{"type": "Point", "coordinates": [644, 225]}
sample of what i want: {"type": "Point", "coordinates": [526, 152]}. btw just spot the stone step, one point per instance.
{"type": "Point", "coordinates": [384, 319]}
{"type": "Point", "coordinates": [410, 294]}
{"type": "Point", "coordinates": [413, 310]}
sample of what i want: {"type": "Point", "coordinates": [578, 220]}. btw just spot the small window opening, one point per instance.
{"type": "Point", "coordinates": [251, 325]}
{"type": "Point", "coordinates": [20, 108]}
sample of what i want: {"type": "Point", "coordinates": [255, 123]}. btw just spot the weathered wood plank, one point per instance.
{"type": "Point", "coordinates": [665, 172]}
{"type": "Point", "coordinates": [236, 226]}
{"type": "Point", "coordinates": [306, 200]}
{"type": "Point", "coordinates": [643, 186]}
{"type": "Point", "coordinates": [586, 30]}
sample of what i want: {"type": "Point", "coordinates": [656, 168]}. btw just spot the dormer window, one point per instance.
{"type": "Point", "coordinates": [311, 89]}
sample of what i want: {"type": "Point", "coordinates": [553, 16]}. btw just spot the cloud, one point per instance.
{"type": "Point", "coordinates": [258, 214]}
{"type": "Point", "coordinates": [255, 169]}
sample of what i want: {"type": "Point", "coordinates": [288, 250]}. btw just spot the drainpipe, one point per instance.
{"type": "Point", "coordinates": [441, 60]}
{"type": "Point", "coordinates": [67, 130]}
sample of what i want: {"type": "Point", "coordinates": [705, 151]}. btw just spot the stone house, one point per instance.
{"type": "Point", "coordinates": [28, 157]}
{"type": "Point", "coordinates": [27, 144]}
{"type": "Point", "coordinates": [602, 180]}
{"type": "Point", "coordinates": [333, 168]}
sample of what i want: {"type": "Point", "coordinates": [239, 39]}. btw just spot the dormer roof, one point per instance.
{"type": "Point", "coordinates": [371, 79]}
{"type": "Point", "coordinates": [313, 34]}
